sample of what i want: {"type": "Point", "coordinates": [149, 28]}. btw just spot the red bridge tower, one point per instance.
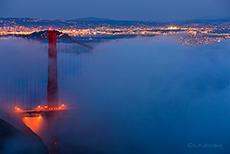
{"type": "Point", "coordinates": [52, 87]}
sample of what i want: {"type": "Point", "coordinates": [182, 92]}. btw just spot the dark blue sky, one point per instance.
{"type": "Point", "coordinates": [154, 10]}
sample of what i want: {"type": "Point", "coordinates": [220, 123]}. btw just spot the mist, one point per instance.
{"type": "Point", "coordinates": [146, 95]}
{"type": "Point", "coordinates": [150, 96]}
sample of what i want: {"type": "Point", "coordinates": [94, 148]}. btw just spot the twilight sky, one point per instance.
{"type": "Point", "coordinates": [153, 10]}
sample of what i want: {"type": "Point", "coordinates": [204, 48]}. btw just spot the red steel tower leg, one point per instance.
{"type": "Point", "coordinates": [52, 87]}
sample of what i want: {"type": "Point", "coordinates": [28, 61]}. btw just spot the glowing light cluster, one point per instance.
{"type": "Point", "coordinates": [172, 28]}
{"type": "Point", "coordinates": [37, 112]}
{"type": "Point", "coordinates": [39, 108]}
{"type": "Point", "coordinates": [45, 108]}
{"type": "Point", "coordinates": [17, 109]}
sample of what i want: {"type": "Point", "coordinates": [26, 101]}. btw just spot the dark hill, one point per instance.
{"type": "Point", "coordinates": [14, 141]}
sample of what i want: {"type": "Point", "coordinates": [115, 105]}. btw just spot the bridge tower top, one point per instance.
{"type": "Point", "coordinates": [52, 40]}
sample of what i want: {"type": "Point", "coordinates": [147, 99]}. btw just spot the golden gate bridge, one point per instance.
{"type": "Point", "coordinates": [37, 83]}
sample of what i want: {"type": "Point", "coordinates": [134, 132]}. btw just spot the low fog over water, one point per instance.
{"type": "Point", "coordinates": [147, 95]}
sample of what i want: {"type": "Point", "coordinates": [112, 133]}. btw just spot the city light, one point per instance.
{"type": "Point", "coordinates": [197, 33]}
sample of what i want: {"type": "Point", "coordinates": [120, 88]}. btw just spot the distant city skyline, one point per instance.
{"type": "Point", "coordinates": [145, 10]}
